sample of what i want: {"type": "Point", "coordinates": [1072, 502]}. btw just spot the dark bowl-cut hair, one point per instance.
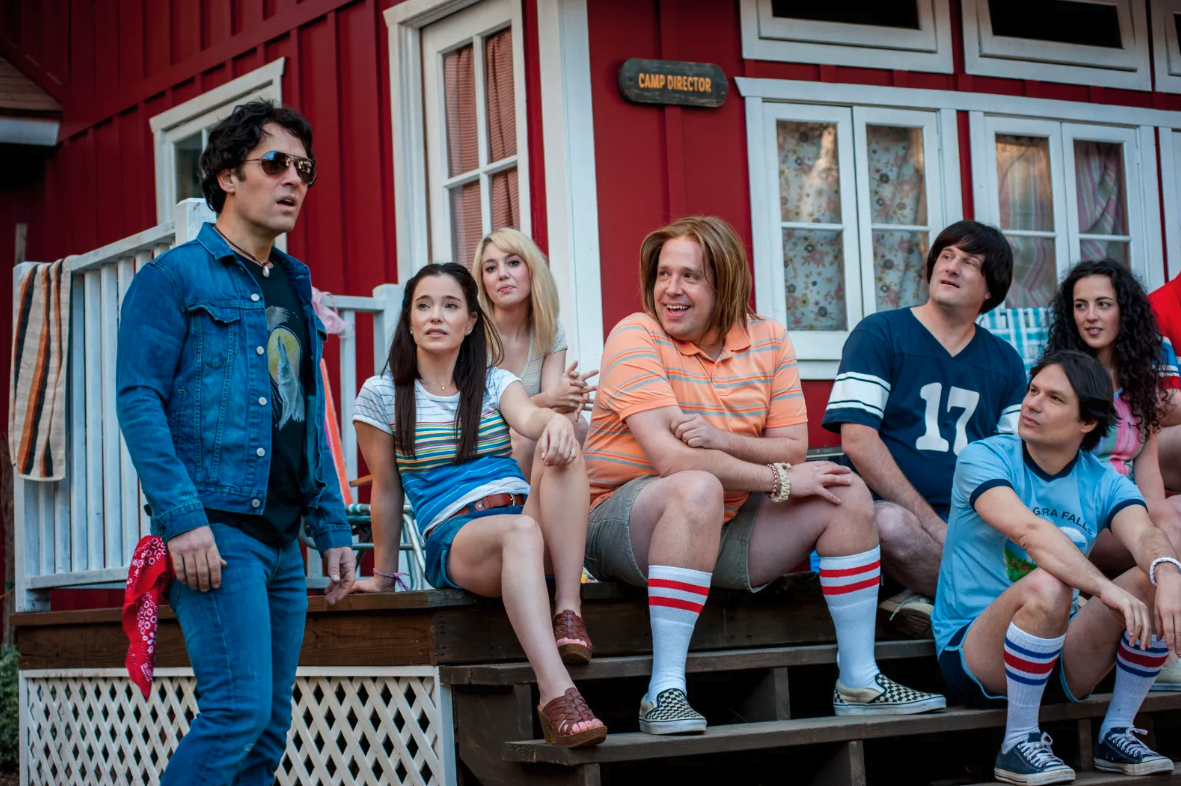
{"type": "Point", "coordinates": [1092, 386]}
{"type": "Point", "coordinates": [983, 240]}
{"type": "Point", "coordinates": [234, 137]}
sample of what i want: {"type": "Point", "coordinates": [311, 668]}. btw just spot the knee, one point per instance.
{"type": "Point", "coordinates": [1046, 594]}
{"type": "Point", "coordinates": [698, 498]}
{"type": "Point", "coordinates": [857, 505]}
{"type": "Point", "coordinates": [523, 535]}
{"type": "Point", "coordinates": [896, 526]}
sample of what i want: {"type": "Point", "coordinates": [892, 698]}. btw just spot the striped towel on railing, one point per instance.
{"type": "Point", "coordinates": [37, 406]}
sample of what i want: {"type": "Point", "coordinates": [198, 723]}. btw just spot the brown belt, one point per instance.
{"type": "Point", "coordinates": [490, 502]}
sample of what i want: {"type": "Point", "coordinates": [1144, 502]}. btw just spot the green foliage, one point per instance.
{"type": "Point", "coordinates": [9, 709]}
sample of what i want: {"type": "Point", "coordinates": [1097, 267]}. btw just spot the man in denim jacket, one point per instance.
{"type": "Point", "coordinates": [222, 408]}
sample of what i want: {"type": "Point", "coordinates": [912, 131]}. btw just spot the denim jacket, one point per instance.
{"type": "Point", "coordinates": [193, 391]}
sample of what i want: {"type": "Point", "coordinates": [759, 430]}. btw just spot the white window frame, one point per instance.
{"type": "Point", "coordinates": [471, 26]}
{"type": "Point", "coordinates": [761, 95]}
{"type": "Point", "coordinates": [568, 130]}
{"type": "Point", "coordinates": [1136, 144]}
{"type": "Point", "coordinates": [1166, 50]}
{"type": "Point", "coordinates": [765, 37]}
{"type": "Point", "coordinates": [200, 114]}
{"type": "Point", "coordinates": [818, 351]}
{"type": "Point", "coordinates": [986, 54]}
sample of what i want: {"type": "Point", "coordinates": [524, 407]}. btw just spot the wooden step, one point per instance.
{"type": "Point", "coordinates": [698, 663]}
{"type": "Point", "coordinates": [1109, 778]}
{"type": "Point", "coordinates": [805, 731]}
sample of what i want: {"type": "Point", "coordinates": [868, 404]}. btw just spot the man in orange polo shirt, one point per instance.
{"type": "Point", "coordinates": [696, 456]}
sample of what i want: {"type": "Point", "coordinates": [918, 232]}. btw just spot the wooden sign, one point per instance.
{"type": "Point", "coordinates": [673, 82]}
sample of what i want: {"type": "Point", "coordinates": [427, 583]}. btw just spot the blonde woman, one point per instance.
{"type": "Point", "coordinates": [518, 292]}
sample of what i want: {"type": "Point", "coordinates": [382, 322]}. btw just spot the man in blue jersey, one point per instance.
{"type": "Point", "coordinates": [1026, 510]}
{"type": "Point", "coordinates": [915, 387]}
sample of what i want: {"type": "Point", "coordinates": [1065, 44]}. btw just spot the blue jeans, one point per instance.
{"type": "Point", "coordinates": [244, 676]}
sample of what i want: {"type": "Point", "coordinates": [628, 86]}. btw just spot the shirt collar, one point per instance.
{"type": "Point", "coordinates": [1041, 473]}
{"type": "Point", "coordinates": [736, 340]}
{"type": "Point", "coordinates": [218, 248]}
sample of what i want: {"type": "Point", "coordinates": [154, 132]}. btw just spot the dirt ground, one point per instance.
{"type": "Point", "coordinates": [9, 778]}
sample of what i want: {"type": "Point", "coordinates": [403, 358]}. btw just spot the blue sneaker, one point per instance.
{"type": "Point", "coordinates": [1032, 763]}
{"type": "Point", "coordinates": [1120, 751]}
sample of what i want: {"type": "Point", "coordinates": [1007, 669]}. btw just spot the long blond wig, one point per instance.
{"type": "Point", "coordinates": [543, 295]}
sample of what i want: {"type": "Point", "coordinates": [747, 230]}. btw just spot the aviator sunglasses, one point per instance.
{"type": "Point", "coordinates": [275, 163]}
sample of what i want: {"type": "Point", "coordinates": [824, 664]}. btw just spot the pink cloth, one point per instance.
{"type": "Point", "coordinates": [148, 577]}
{"type": "Point", "coordinates": [327, 314]}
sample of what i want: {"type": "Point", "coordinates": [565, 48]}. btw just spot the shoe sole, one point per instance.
{"type": "Point", "coordinates": [689, 726]}
{"type": "Point", "coordinates": [914, 624]}
{"type": "Point", "coordinates": [1166, 686]}
{"type": "Point", "coordinates": [1035, 779]}
{"type": "Point", "coordinates": [933, 704]}
{"type": "Point", "coordinates": [1150, 767]}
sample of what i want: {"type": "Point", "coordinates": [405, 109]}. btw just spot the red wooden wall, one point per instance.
{"type": "Point", "coordinates": [658, 163]}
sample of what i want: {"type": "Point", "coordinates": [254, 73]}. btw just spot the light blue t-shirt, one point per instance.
{"type": "Point", "coordinates": [979, 562]}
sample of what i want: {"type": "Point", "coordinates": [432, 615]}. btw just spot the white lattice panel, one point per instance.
{"type": "Point", "coordinates": [349, 726]}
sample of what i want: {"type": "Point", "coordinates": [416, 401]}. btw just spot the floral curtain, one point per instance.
{"type": "Point", "coordinates": [1026, 203]}
{"type": "Point", "coordinates": [898, 196]}
{"type": "Point", "coordinates": [809, 193]}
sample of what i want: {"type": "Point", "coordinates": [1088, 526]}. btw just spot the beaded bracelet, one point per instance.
{"type": "Point", "coordinates": [399, 578]}
{"type": "Point", "coordinates": [782, 488]}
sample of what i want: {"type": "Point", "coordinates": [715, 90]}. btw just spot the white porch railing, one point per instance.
{"type": "Point", "coordinates": [81, 531]}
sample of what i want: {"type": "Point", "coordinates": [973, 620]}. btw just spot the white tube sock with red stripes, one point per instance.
{"type": "Point", "coordinates": [1135, 671]}
{"type": "Point", "coordinates": [1029, 662]}
{"type": "Point", "coordinates": [850, 587]}
{"type": "Point", "coordinates": [675, 599]}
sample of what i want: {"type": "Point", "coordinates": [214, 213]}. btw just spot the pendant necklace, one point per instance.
{"type": "Point", "coordinates": [266, 266]}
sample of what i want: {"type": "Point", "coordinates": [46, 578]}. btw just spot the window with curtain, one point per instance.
{"type": "Point", "coordinates": [856, 197]}
{"type": "Point", "coordinates": [1027, 217]}
{"type": "Point", "coordinates": [474, 129]}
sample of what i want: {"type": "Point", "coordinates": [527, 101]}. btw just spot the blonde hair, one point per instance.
{"type": "Point", "coordinates": [543, 293]}
{"type": "Point", "coordinates": [722, 251]}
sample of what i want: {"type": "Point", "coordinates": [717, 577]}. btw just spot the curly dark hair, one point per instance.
{"type": "Point", "coordinates": [1092, 386]}
{"type": "Point", "coordinates": [234, 137]}
{"type": "Point", "coordinates": [1138, 346]}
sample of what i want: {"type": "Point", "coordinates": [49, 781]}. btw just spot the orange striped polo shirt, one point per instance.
{"type": "Point", "coordinates": [754, 385]}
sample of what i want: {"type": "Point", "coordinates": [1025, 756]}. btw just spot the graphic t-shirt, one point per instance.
{"type": "Point", "coordinates": [927, 405]}
{"type": "Point", "coordinates": [434, 483]}
{"type": "Point", "coordinates": [979, 562]}
{"type": "Point", "coordinates": [289, 361]}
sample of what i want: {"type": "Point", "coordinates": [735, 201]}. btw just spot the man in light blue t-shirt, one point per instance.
{"type": "Point", "coordinates": [1025, 511]}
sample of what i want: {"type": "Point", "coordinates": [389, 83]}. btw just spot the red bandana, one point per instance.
{"type": "Point", "coordinates": [147, 580]}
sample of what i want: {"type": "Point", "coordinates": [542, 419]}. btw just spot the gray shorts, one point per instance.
{"type": "Point", "coordinates": [609, 554]}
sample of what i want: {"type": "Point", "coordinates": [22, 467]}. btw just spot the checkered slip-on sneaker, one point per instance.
{"type": "Point", "coordinates": [1032, 763]}
{"type": "Point", "coordinates": [670, 714]}
{"type": "Point", "coordinates": [886, 698]}
{"type": "Point", "coordinates": [1120, 751]}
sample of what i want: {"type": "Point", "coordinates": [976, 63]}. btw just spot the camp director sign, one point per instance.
{"type": "Point", "coordinates": [673, 82]}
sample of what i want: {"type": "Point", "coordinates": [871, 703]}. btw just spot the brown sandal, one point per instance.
{"type": "Point", "coordinates": [568, 625]}
{"type": "Point", "coordinates": [560, 716]}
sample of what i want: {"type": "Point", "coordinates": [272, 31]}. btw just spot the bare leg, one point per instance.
{"type": "Point", "coordinates": [559, 502]}
{"type": "Point", "coordinates": [1169, 445]}
{"type": "Point", "coordinates": [785, 533]}
{"type": "Point", "coordinates": [677, 521]}
{"type": "Point", "coordinates": [1091, 642]}
{"type": "Point", "coordinates": [504, 556]}
{"type": "Point", "coordinates": [523, 450]}
{"type": "Point", "coordinates": [910, 555]}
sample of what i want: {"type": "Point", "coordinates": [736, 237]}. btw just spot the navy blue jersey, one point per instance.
{"type": "Point", "coordinates": [927, 405]}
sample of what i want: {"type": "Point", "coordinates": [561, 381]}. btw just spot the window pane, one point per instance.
{"type": "Point", "coordinates": [502, 108]}
{"type": "Point", "coordinates": [899, 268]}
{"type": "Point", "coordinates": [459, 85]}
{"type": "Point", "coordinates": [1100, 249]}
{"type": "Point", "coordinates": [1177, 27]}
{"type": "Point", "coordinates": [884, 13]}
{"type": "Point", "coordinates": [506, 205]}
{"type": "Point", "coordinates": [1023, 180]}
{"type": "Point", "coordinates": [1065, 21]}
{"type": "Point", "coordinates": [466, 227]}
{"type": "Point", "coordinates": [814, 279]}
{"type": "Point", "coordinates": [897, 190]}
{"type": "Point", "coordinates": [1034, 272]}
{"type": "Point", "coordinates": [1099, 181]}
{"type": "Point", "coordinates": [188, 168]}
{"type": "Point", "coordinates": [809, 174]}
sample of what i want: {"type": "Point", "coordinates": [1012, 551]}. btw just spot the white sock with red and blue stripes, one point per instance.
{"type": "Point", "coordinates": [1029, 660]}
{"type": "Point", "coordinates": [675, 599]}
{"type": "Point", "coordinates": [850, 587]}
{"type": "Point", "coordinates": [1135, 671]}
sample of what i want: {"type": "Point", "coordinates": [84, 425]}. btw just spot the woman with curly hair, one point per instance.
{"type": "Point", "coordinates": [1100, 308]}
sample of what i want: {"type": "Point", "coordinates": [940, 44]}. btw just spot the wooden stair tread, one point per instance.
{"type": "Point", "coordinates": [637, 746]}
{"type": "Point", "coordinates": [1096, 778]}
{"type": "Point", "coordinates": [699, 662]}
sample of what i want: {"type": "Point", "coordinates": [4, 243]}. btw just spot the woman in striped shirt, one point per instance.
{"type": "Point", "coordinates": [518, 293]}
{"type": "Point", "coordinates": [435, 427]}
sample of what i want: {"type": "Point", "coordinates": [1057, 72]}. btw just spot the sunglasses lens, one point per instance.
{"type": "Point", "coordinates": [306, 169]}
{"type": "Point", "coordinates": [275, 163]}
